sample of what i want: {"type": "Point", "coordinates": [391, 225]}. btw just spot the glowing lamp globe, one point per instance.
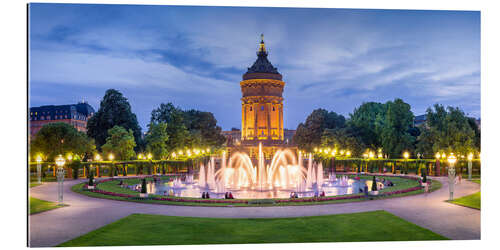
{"type": "Point", "coordinates": [452, 159]}
{"type": "Point", "coordinates": [38, 159]}
{"type": "Point", "coordinates": [406, 155]}
{"type": "Point", "coordinates": [60, 161]}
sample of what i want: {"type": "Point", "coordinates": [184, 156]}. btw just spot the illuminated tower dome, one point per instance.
{"type": "Point", "coordinates": [262, 102]}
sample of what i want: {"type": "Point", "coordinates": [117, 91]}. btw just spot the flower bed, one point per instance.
{"type": "Point", "coordinates": [246, 201]}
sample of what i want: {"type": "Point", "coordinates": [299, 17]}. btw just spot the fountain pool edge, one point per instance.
{"type": "Point", "coordinates": [103, 191]}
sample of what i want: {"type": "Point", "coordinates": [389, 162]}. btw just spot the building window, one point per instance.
{"type": "Point", "coordinates": [250, 108]}
{"type": "Point", "coordinates": [273, 109]}
{"type": "Point", "coordinates": [262, 108]}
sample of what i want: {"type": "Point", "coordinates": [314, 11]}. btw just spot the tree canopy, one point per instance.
{"type": "Point", "coordinates": [191, 128]}
{"type": "Point", "coordinates": [395, 136]}
{"type": "Point", "coordinates": [60, 138]}
{"type": "Point", "coordinates": [114, 110]}
{"type": "Point", "coordinates": [448, 130]}
{"type": "Point", "coordinates": [368, 119]}
{"type": "Point", "coordinates": [343, 139]}
{"type": "Point", "coordinates": [308, 134]}
{"type": "Point", "coordinates": [156, 140]}
{"type": "Point", "coordinates": [120, 143]}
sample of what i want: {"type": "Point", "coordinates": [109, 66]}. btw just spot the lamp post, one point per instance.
{"type": "Point", "coordinates": [150, 158]}
{"type": "Point", "coordinates": [469, 166]}
{"type": "Point", "coordinates": [111, 157]}
{"type": "Point", "coordinates": [443, 156]}
{"type": "Point", "coordinates": [451, 174]}
{"type": "Point", "coordinates": [438, 155]}
{"type": "Point", "coordinates": [406, 155]}
{"type": "Point", "coordinates": [60, 178]}
{"type": "Point", "coordinates": [97, 159]}
{"type": "Point", "coordinates": [39, 169]}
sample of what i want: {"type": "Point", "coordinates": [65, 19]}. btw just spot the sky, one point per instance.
{"type": "Point", "coordinates": [195, 57]}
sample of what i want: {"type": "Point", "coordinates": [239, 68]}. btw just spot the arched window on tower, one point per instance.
{"type": "Point", "coordinates": [250, 108]}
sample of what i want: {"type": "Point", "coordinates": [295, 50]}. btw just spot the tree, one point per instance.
{"type": "Point", "coordinates": [114, 110]}
{"type": "Point", "coordinates": [61, 138]}
{"type": "Point", "coordinates": [308, 134]}
{"type": "Point", "coordinates": [447, 130]}
{"type": "Point", "coordinates": [395, 129]}
{"type": "Point", "coordinates": [156, 140]}
{"type": "Point", "coordinates": [192, 128]}
{"type": "Point", "coordinates": [120, 143]}
{"type": "Point", "coordinates": [174, 118]}
{"type": "Point", "coordinates": [206, 124]}
{"type": "Point", "coordinates": [369, 119]}
{"type": "Point", "coordinates": [477, 132]}
{"type": "Point", "coordinates": [343, 139]}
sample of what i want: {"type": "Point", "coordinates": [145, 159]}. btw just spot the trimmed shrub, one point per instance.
{"type": "Point", "coordinates": [91, 179]}
{"type": "Point", "coordinates": [143, 186]}
{"type": "Point", "coordinates": [374, 184]}
{"type": "Point", "coordinates": [424, 175]}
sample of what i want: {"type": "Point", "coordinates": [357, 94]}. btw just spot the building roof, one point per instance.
{"type": "Point", "coordinates": [262, 67]}
{"type": "Point", "coordinates": [79, 111]}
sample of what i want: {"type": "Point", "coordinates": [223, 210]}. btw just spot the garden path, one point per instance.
{"type": "Point", "coordinates": [85, 214]}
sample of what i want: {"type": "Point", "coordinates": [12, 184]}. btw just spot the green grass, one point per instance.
{"type": "Point", "coordinates": [472, 201]}
{"type": "Point", "coordinates": [34, 184]}
{"type": "Point", "coordinates": [477, 181]}
{"type": "Point", "coordinates": [144, 229]}
{"type": "Point", "coordinates": [38, 206]}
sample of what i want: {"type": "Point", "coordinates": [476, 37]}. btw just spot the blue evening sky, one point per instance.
{"type": "Point", "coordinates": [195, 56]}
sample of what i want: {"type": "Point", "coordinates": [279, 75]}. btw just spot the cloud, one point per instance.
{"type": "Point", "coordinates": [334, 58]}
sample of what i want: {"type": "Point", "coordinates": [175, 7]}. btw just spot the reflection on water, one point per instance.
{"type": "Point", "coordinates": [331, 187]}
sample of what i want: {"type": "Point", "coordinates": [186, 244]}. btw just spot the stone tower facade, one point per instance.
{"type": "Point", "coordinates": [262, 102]}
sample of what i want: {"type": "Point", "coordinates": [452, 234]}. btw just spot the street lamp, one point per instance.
{"type": "Point", "coordinates": [39, 169]}
{"type": "Point", "coordinates": [348, 153]}
{"type": "Point", "coordinates": [451, 174]}
{"type": "Point", "coordinates": [60, 178]}
{"type": "Point", "coordinates": [406, 155]}
{"type": "Point", "coordinates": [438, 167]}
{"type": "Point", "coordinates": [469, 166]}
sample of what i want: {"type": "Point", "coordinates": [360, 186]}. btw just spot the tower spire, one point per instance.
{"type": "Point", "coordinates": [262, 47]}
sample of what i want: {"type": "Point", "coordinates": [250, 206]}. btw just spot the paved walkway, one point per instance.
{"type": "Point", "coordinates": [85, 214]}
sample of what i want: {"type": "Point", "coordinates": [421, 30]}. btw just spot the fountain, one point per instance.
{"type": "Point", "coordinates": [177, 183]}
{"type": "Point", "coordinates": [210, 174]}
{"type": "Point", "coordinates": [189, 179]}
{"type": "Point", "coordinates": [202, 178]}
{"type": "Point", "coordinates": [277, 178]}
{"type": "Point", "coordinates": [319, 176]}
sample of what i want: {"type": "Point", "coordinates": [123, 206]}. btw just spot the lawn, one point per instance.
{"type": "Point", "coordinates": [472, 201]}
{"type": "Point", "coordinates": [34, 184]}
{"type": "Point", "coordinates": [38, 206]}
{"type": "Point", "coordinates": [477, 181]}
{"type": "Point", "coordinates": [145, 229]}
